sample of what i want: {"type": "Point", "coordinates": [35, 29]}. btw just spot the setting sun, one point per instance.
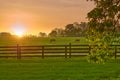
{"type": "Point", "coordinates": [18, 30]}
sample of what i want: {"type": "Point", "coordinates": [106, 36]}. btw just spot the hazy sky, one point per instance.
{"type": "Point", "coordinates": [34, 16]}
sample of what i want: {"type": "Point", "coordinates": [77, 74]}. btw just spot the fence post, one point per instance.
{"type": "Point", "coordinates": [42, 52]}
{"type": "Point", "coordinates": [69, 50]}
{"type": "Point", "coordinates": [18, 52]}
{"type": "Point", "coordinates": [89, 49]}
{"type": "Point", "coordinates": [65, 51]}
{"type": "Point", "coordinates": [115, 51]}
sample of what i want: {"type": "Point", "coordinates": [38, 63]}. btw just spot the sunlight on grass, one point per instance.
{"type": "Point", "coordinates": [58, 69]}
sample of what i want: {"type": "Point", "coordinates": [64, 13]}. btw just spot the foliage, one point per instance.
{"type": "Point", "coordinates": [57, 33]}
{"type": "Point", "coordinates": [5, 34]}
{"type": "Point", "coordinates": [42, 34]}
{"type": "Point", "coordinates": [71, 30]}
{"type": "Point", "coordinates": [103, 24]}
{"type": "Point", "coordinates": [53, 33]}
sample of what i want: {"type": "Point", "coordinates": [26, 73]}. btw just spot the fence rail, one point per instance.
{"type": "Point", "coordinates": [43, 51]}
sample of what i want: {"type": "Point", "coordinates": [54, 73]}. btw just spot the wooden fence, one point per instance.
{"type": "Point", "coordinates": [43, 51]}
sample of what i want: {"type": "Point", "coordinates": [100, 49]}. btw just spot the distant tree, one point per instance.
{"type": "Point", "coordinates": [73, 30]}
{"type": "Point", "coordinates": [57, 32]}
{"type": "Point", "coordinates": [69, 30]}
{"type": "Point", "coordinates": [60, 32]}
{"type": "Point", "coordinates": [42, 34]}
{"type": "Point", "coordinates": [76, 25]}
{"type": "Point", "coordinates": [5, 34]}
{"type": "Point", "coordinates": [53, 33]}
{"type": "Point", "coordinates": [29, 36]}
{"type": "Point", "coordinates": [83, 26]}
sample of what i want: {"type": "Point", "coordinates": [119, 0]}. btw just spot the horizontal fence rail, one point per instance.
{"type": "Point", "coordinates": [43, 51]}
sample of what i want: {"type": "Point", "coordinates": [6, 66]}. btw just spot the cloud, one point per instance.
{"type": "Point", "coordinates": [44, 3]}
{"type": "Point", "coordinates": [42, 6]}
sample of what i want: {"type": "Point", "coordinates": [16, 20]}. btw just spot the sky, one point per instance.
{"type": "Point", "coordinates": [34, 16]}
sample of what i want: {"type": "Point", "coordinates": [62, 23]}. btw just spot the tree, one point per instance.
{"type": "Point", "coordinates": [57, 32]}
{"type": "Point", "coordinates": [83, 26]}
{"type": "Point", "coordinates": [42, 34]}
{"type": "Point", "coordinates": [73, 30]}
{"type": "Point", "coordinates": [53, 33]}
{"type": "Point", "coordinates": [69, 30]}
{"type": "Point", "coordinates": [5, 34]}
{"type": "Point", "coordinates": [103, 22]}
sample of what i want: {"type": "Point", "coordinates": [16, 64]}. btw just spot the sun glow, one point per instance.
{"type": "Point", "coordinates": [19, 30]}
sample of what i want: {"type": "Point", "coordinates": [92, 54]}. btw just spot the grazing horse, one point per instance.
{"type": "Point", "coordinates": [52, 40]}
{"type": "Point", "coordinates": [77, 40]}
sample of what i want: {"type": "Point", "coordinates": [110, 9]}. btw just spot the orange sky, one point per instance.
{"type": "Point", "coordinates": [41, 15]}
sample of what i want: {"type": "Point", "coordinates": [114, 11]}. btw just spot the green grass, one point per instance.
{"type": "Point", "coordinates": [55, 68]}
{"type": "Point", "coordinates": [58, 69]}
{"type": "Point", "coordinates": [41, 41]}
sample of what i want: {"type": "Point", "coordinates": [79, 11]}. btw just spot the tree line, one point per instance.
{"type": "Point", "coordinates": [70, 30]}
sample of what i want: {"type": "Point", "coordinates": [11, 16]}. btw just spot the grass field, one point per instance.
{"type": "Point", "coordinates": [76, 68]}
{"type": "Point", "coordinates": [58, 69]}
{"type": "Point", "coordinates": [42, 41]}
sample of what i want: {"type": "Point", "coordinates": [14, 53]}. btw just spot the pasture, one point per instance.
{"type": "Point", "coordinates": [42, 41]}
{"type": "Point", "coordinates": [54, 68]}
{"type": "Point", "coordinates": [58, 69]}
